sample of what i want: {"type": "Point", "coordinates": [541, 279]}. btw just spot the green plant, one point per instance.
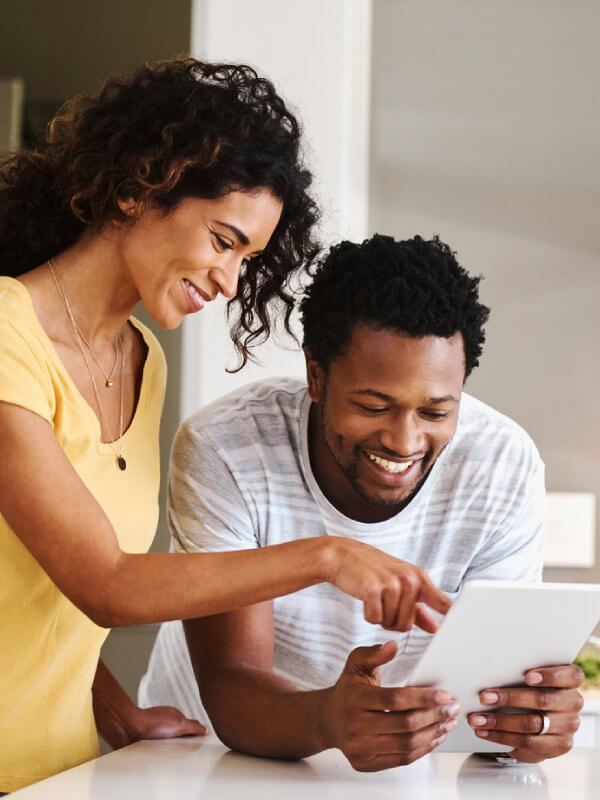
{"type": "Point", "coordinates": [589, 662]}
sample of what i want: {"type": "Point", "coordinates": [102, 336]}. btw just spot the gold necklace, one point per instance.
{"type": "Point", "coordinates": [108, 378]}
{"type": "Point", "coordinates": [118, 452]}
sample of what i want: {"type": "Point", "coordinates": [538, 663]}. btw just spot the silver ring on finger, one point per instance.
{"type": "Point", "coordinates": [545, 723]}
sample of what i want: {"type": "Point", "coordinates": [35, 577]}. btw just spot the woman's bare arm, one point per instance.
{"type": "Point", "coordinates": [51, 510]}
{"type": "Point", "coordinates": [120, 722]}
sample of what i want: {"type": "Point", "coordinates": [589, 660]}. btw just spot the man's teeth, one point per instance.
{"type": "Point", "coordinates": [193, 291]}
{"type": "Point", "coordinates": [391, 466]}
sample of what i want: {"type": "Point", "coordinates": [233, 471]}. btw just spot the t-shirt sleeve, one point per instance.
{"type": "Point", "coordinates": [207, 511]}
{"type": "Point", "coordinates": [24, 378]}
{"type": "Point", "coordinates": [515, 552]}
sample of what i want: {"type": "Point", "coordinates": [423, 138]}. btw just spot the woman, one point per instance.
{"type": "Point", "coordinates": [171, 188]}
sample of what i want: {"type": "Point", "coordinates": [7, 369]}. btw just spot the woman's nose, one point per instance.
{"type": "Point", "coordinates": [227, 279]}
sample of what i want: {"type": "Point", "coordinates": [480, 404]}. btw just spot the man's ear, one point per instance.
{"type": "Point", "coordinates": [315, 377]}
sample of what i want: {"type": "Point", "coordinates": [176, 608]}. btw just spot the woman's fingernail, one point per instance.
{"type": "Point", "coordinates": [439, 740]}
{"type": "Point", "coordinates": [442, 698]}
{"type": "Point", "coordinates": [450, 725]}
{"type": "Point", "coordinates": [534, 677]}
{"type": "Point", "coordinates": [489, 698]}
{"type": "Point", "coordinates": [483, 734]}
{"type": "Point", "coordinates": [477, 719]}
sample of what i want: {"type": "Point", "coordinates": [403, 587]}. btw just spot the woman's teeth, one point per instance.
{"type": "Point", "coordinates": [391, 466]}
{"type": "Point", "coordinates": [193, 291]}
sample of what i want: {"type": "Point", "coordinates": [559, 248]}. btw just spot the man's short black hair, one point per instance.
{"type": "Point", "coordinates": [415, 286]}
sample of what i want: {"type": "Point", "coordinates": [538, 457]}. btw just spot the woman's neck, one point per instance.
{"type": "Point", "coordinates": [99, 290]}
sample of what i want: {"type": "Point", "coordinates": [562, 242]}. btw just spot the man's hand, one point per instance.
{"type": "Point", "coordinates": [378, 728]}
{"type": "Point", "coordinates": [158, 722]}
{"type": "Point", "coordinates": [393, 591]}
{"type": "Point", "coordinates": [551, 691]}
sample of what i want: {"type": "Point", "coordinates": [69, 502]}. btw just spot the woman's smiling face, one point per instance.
{"type": "Point", "coordinates": [184, 258]}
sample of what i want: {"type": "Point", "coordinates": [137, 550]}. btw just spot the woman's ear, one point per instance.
{"type": "Point", "coordinates": [315, 377]}
{"type": "Point", "coordinates": [128, 206]}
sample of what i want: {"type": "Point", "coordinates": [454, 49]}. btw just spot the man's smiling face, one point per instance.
{"type": "Point", "coordinates": [386, 409]}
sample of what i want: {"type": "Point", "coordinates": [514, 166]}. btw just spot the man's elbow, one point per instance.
{"type": "Point", "coordinates": [216, 690]}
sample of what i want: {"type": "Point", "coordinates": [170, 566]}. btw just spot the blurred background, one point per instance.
{"type": "Point", "coordinates": [472, 119]}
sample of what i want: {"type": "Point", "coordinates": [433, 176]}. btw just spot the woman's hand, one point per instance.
{"type": "Point", "coordinates": [120, 722]}
{"type": "Point", "coordinates": [391, 590]}
{"type": "Point", "coordinates": [165, 722]}
{"type": "Point", "coordinates": [158, 722]}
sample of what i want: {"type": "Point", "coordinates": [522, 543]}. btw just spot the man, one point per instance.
{"type": "Point", "coordinates": [382, 446]}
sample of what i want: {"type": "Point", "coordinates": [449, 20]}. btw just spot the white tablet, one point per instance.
{"type": "Point", "coordinates": [495, 632]}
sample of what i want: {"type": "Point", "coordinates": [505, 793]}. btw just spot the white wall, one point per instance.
{"type": "Point", "coordinates": [318, 56]}
{"type": "Point", "coordinates": [486, 126]}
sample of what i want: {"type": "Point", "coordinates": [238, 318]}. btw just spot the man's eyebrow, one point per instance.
{"type": "Point", "coordinates": [386, 397]}
{"type": "Point", "coordinates": [389, 399]}
{"type": "Point", "coordinates": [241, 236]}
{"type": "Point", "coordinates": [437, 400]}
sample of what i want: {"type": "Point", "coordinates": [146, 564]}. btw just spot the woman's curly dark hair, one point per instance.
{"type": "Point", "coordinates": [175, 129]}
{"type": "Point", "coordinates": [414, 286]}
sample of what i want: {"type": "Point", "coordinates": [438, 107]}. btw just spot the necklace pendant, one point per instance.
{"type": "Point", "coordinates": [109, 384]}
{"type": "Point", "coordinates": [121, 463]}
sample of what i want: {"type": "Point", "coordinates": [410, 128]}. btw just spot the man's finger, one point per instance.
{"type": "Point", "coordinates": [415, 740]}
{"type": "Point", "coordinates": [527, 747]}
{"type": "Point", "coordinates": [377, 698]}
{"type": "Point", "coordinates": [402, 721]}
{"type": "Point", "coordinates": [525, 723]}
{"type": "Point", "coordinates": [389, 761]}
{"type": "Point", "coordinates": [539, 699]}
{"type": "Point", "coordinates": [565, 676]}
{"type": "Point", "coordinates": [366, 659]}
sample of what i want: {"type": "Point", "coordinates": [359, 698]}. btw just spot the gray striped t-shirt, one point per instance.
{"type": "Point", "coordinates": [240, 477]}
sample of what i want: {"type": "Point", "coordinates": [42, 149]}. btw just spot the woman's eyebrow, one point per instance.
{"type": "Point", "coordinates": [240, 235]}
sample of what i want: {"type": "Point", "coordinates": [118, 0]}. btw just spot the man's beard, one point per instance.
{"type": "Point", "coordinates": [350, 472]}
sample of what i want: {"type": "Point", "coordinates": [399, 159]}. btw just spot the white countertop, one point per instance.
{"type": "Point", "coordinates": [198, 768]}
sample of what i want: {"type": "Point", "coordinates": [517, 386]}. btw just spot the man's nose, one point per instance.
{"type": "Point", "coordinates": [403, 435]}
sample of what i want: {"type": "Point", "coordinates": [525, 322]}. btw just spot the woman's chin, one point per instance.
{"type": "Point", "coordinates": [172, 322]}
{"type": "Point", "coordinates": [167, 319]}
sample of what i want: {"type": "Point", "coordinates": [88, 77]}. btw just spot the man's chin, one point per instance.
{"type": "Point", "coordinates": [391, 496]}
{"type": "Point", "coordinates": [386, 497]}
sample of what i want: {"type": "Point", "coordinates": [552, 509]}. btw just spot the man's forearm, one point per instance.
{"type": "Point", "coordinates": [256, 712]}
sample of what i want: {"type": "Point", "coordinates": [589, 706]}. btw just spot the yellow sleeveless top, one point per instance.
{"type": "Point", "coordinates": [49, 649]}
